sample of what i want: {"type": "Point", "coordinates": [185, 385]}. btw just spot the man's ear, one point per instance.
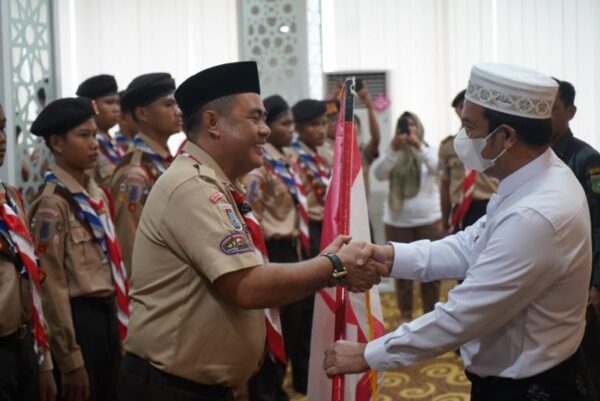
{"type": "Point", "coordinates": [571, 111]}
{"type": "Point", "coordinates": [57, 143]}
{"type": "Point", "coordinates": [210, 122]}
{"type": "Point", "coordinates": [141, 114]}
{"type": "Point", "coordinates": [510, 135]}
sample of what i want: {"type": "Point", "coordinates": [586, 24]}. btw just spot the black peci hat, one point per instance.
{"type": "Point", "coordinates": [215, 82]}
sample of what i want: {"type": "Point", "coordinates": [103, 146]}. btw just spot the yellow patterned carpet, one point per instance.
{"type": "Point", "coordinates": [439, 379]}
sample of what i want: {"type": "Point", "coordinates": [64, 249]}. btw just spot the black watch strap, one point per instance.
{"type": "Point", "coordinates": [338, 276]}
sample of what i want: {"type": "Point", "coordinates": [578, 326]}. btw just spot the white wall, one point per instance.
{"type": "Point", "coordinates": [430, 45]}
{"type": "Point", "coordinates": [127, 38]}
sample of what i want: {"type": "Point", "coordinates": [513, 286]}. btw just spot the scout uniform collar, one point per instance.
{"type": "Point", "coordinates": [90, 188]}
{"type": "Point", "coordinates": [155, 146]}
{"type": "Point", "coordinates": [199, 155]}
{"type": "Point", "coordinates": [274, 152]}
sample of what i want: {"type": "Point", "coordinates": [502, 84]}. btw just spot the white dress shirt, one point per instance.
{"type": "Point", "coordinates": [424, 208]}
{"type": "Point", "coordinates": [526, 267]}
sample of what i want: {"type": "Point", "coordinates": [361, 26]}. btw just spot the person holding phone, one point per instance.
{"type": "Point", "coordinates": [412, 210]}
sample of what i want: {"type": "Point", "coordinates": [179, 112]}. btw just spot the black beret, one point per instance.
{"type": "Point", "coordinates": [308, 109]}
{"type": "Point", "coordinates": [275, 106]}
{"type": "Point", "coordinates": [99, 85]}
{"type": "Point", "coordinates": [215, 82]}
{"type": "Point", "coordinates": [459, 98]}
{"type": "Point", "coordinates": [61, 115]}
{"type": "Point", "coordinates": [145, 89]}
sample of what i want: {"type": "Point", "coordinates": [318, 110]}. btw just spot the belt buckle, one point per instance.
{"type": "Point", "coordinates": [21, 332]}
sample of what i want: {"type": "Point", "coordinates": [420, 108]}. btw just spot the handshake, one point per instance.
{"type": "Point", "coordinates": [365, 263]}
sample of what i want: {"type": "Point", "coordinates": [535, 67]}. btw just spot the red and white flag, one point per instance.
{"type": "Point", "coordinates": [358, 315]}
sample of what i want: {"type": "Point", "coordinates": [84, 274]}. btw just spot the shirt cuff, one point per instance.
{"type": "Point", "coordinates": [71, 362]}
{"type": "Point", "coordinates": [405, 257]}
{"type": "Point", "coordinates": [376, 355]}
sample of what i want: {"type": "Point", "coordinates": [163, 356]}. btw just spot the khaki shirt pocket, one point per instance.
{"type": "Point", "coordinates": [80, 246]}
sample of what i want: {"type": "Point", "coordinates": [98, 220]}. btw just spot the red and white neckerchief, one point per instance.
{"type": "Point", "coordinates": [18, 236]}
{"type": "Point", "coordinates": [468, 187]}
{"type": "Point", "coordinates": [99, 221]}
{"type": "Point", "coordinates": [275, 343]}
{"type": "Point", "coordinates": [288, 173]}
{"type": "Point", "coordinates": [317, 172]}
{"type": "Point", "coordinates": [117, 268]}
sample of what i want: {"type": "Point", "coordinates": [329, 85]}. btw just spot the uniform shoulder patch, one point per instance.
{"type": "Point", "coordinates": [217, 196]}
{"type": "Point", "coordinates": [594, 173]}
{"type": "Point", "coordinates": [229, 216]}
{"type": "Point", "coordinates": [235, 243]}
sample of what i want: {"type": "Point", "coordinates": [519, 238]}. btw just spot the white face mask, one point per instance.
{"type": "Point", "coordinates": [469, 151]}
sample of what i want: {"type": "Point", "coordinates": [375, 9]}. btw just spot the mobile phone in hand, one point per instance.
{"type": "Point", "coordinates": [403, 126]}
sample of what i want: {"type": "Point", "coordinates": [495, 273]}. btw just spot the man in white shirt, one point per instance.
{"type": "Point", "coordinates": [519, 314]}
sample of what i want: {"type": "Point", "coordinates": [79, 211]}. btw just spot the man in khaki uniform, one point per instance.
{"type": "Point", "coordinates": [23, 336]}
{"type": "Point", "coordinates": [452, 172]}
{"type": "Point", "coordinates": [79, 290]}
{"type": "Point", "coordinates": [149, 99]}
{"type": "Point", "coordinates": [199, 284]}
{"type": "Point", "coordinates": [103, 90]}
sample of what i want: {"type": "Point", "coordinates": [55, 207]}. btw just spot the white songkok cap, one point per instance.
{"type": "Point", "coordinates": [512, 90]}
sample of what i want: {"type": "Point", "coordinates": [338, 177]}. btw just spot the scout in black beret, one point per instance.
{"type": "Point", "coordinates": [275, 106]}
{"type": "Point", "coordinates": [71, 228]}
{"type": "Point", "coordinates": [311, 122]}
{"type": "Point", "coordinates": [150, 101]}
{"type": "Point", "coordinates": [145, 89]}
{"type": "Point", "coordinates": [69, 130]}
{"type": "Point", "coordinates": [97, 86]}
{"type": "Point", "coordinates": [102, 89]}
{"type": "Point", "coordinates": [281, 122]}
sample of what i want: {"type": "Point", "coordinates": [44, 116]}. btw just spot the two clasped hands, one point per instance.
{"type": "Point", "coordinates": [365, 263]}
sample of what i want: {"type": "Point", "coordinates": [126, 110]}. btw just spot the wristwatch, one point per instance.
{"type": "Point", "coordinates": [339, 273]}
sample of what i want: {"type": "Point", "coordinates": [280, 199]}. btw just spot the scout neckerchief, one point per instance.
{"type": "Point", "coordinates": [100, 223]}
{"type": "Point", "coordinates": [290, 177]}
{"type": "Point", "coordinates": [21, 242]}
{"type": "Point", "coordinates": [468, 187]}
{"type": "Point", "coordinates": [159, 162]}
{"type": "Point", "coordinates": [275, 343]}
{"type": "Point", "coordinates": [123, 142]}
{"type": "Point", "coordinates": [108, 149]}
{"type": "Point", "coordinates": [315, 169]}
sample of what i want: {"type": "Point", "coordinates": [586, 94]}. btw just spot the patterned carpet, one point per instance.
{"type": "Point", "coordinates": [439, 379]}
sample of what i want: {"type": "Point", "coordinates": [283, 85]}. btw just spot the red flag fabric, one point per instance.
{"type": "Point", "coordinates": [345, 212]}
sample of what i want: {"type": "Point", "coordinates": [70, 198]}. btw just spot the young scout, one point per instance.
{"type": "Point", "coordinates": [199, 280]}
{"type": "Point", "coordinates": [311, 126]}
{"type": "Point", "coordinates": [102, 89]}
{"type": "Point", "coordinates": [149, 99]}
{"type": "Point", "coordinates": [278, 201]}
{"type": "Point", "coordinates": [23, 336]}
{"type": "Point", "coordinates": [85, 291]}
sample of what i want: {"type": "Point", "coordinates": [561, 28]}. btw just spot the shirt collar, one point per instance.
{"type": "Point", "coordinates": [206, 160]}
{"type": "Point", "coordinates": [89, 189]}
{"type": "Point", "coordinates": [161, 151]}
{"type": "Point", "coordinates": [525, 173]}
{"type": "Point", "coordinates": [274, 152]}
{"type": "Point", "coordinates": [560, 146]}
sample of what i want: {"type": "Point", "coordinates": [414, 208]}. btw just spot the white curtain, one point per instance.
{"type": "Point", "coordinates": [429, 46]}
{"type": "Point", "coordinates": [126, 38]}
